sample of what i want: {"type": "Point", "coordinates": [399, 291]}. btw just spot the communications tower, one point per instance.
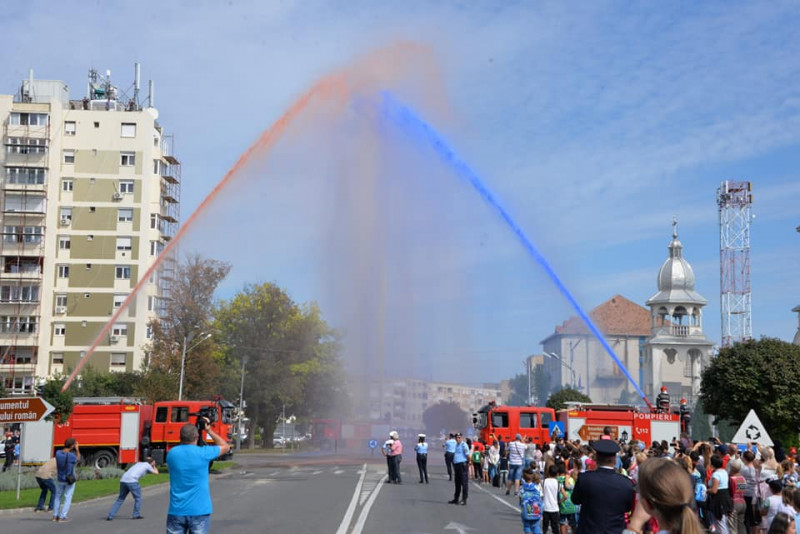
{"type": "Point", "coordinates": [734, 200]}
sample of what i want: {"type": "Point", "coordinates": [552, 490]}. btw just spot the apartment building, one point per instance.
{"type": "Point", "coordinates": [90, 196]}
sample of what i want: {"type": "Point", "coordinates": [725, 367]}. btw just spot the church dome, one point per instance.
{"type": "Point", "coordinates": [676, 278]}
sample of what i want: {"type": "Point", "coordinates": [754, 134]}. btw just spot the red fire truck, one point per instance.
{"type": "Point", "coordinates": [117, 430]}
{"type": "Point", "coordinates": [505, 422]}
{"type": "Point", "coordinates": [586, 421]}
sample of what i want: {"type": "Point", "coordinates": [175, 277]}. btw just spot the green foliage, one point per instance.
{"type": "Point", "coordinates": [447, 415]}
{"type": "Point", "coordinates": [541, 384]}
{"type": "Point", "coordinates": [290, 355]}
{"type": "Point", "coordinates": [558, 400]}
{"type": "Point", "coordinates": [519, 390]}
{"type": "Point", "coordinates": [761, 375]}
{"type": "Point", "coordinates": [61, 401]}
{"type": "Point", "coordinates": [93, 383]}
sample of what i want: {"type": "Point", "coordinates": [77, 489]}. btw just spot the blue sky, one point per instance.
{"type": "Point", "coordinates": [595, 123]}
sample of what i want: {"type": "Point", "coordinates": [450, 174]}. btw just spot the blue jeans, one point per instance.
{"type": "Point", "coordinates": [124, 488]}
{"type": "Point", "coordinates": [46, 484]}
{"type": "Point", "coordinates": [188, 524]}
{"type": "Point", "coordinates": [63, 490]}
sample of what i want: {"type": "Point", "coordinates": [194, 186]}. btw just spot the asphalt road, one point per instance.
{"type": "Point", "coordinates": [297, 494]}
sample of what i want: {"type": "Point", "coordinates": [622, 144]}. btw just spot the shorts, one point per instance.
{"type": "Point", "coordinates": [532, 526]}
{"type": "Point", "coordinates": [514, 472]}
{"type": "Point", "coordinates": [568, 519]}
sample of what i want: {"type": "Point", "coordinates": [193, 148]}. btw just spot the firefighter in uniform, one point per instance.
{"type": "Point", "coordinates": [686, 416]}
{"type": "Point", "coordinates": [662, 400]}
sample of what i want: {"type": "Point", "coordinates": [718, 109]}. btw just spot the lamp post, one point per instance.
{"type": "Point", "coordinates": [183, 359]}
{"type": "Point", "coordinates": [565, 364]}
{"type": "Point", "coordinates": [241, 409]}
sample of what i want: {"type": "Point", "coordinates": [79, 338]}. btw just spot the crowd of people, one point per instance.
{"type": "Point", "coordinates": [609, 486]}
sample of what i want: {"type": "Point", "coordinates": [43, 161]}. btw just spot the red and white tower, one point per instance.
{"type": "Point", "coordinates": [734, 200]}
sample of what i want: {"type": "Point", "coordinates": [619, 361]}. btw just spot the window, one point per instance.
{"type": "Point", "coordinates": [156, 166]}
{"type": "Point", "coordinates": [26, 145]}
{"type": "Point", "coordinates": [57, 358]}
{"type": "Point", "coordinates": [66, 214]}
{"type": "Point", "coordinates": [96, 124]}
{"type": "Point", "coordinates": [148, 332]}
{"type": "Point", "coordinates": [69, 127]}
{"type": "Point", "coordinates": [15, 293]}
{"type": "Point", "coordinates": [126, 186]}
{"type": "Point", "coordinates": [26, 175]}
{"type": "Point", "coordinates": [500, 419]}
{"type": "Point", "coordinates": [153, 221]}
{"type": "Point", "coordinates": [69, 157]}
{"type": "Point", "coordinates": [92, 209]}
{"type": "Point", "coordinates": [127, 159]}
{"type": "Point", "coordinates": [150, 303]}
{"type": "Point", "coordinates": [67, 184]}
{"type": "Point", "coordinates": [161, 414]}
{"type": "Point", "coordinates": [118, 300]}
{"type": "Point", "coordinates": [59, 329]}
{"type": "Point", "coordinates": [29, 119]}
{"type": "Point", "coordinates": [63, 271]}
{"type": "Point", "coordinates": [546, 419]}
{"type": "Point", "coordinates": [156, 247]}
{"type": "Point", "coordinates": [180, 414]}
{"type": "Point", "coordinates": [61, 301]}
{"type": "Point", "coordinates": [125, 215]}
{"type": "Point", "coordinates": [119, 329]}
{"type": "Point", "coordinates": [128, 129]}
{"type": "Point", "coordinates": [527, 420]}
{"type": "Point", "coordinates": [22, 234]}
{"type": "Point", "coordinates": [63, 243]}
{"type": "Point", "coordinates": [123, 272]}
{"type": "Point", "coordinates": [117, 359]}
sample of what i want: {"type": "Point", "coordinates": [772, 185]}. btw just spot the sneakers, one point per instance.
{"type": "Point", "coordinates": [64, 520]}
{"type": "Point", "coordinates": [454, 501]}
{"type": "Point", "coordinates": [139, 517]}
{"type": "Point", "coordinates": [55, 519]}
{"type": "Point", "coordinates": [464, 502]}
{"type": "Point", "coordinates": [109, 518]}
{"type": "Point", "coordinates": [508, 492]}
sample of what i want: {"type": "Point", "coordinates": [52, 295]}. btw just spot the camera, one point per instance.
{"type": "Point", "coordinates": [206, 412]}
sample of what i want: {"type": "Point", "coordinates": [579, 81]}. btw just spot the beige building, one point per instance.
{"type": "Point", "coordinates": [89, 199]}
{"type": "Point", "coordinates": [405, 400]}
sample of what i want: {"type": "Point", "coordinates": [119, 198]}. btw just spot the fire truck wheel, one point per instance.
{"type": "Point", "coordinates": [102, 459]}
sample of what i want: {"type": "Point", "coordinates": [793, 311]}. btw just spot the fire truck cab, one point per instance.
{"type": "Point", "coordinates": [505, 422]}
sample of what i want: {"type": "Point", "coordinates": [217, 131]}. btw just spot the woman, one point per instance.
{"type": "Point", "coordinates": [421, 448]}
{"type": "Point", "coordinates": [719, 497]}
{"type": "Point", "coordinates": [665, 493]}
{"type": "Point", "coordinates": [493, 460]}
{"type": "Point", "coordinates": [738, 486]}
{"type": "Point", "coordinates": [783, 524]}
{"type": "Point", "coordinates": [752, 517]}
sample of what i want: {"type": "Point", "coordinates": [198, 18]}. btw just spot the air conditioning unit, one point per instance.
{"type": "Point", "coordinates": [114, 339]}
{"type": "Point", "coordinates": [65, 221]}
{"type": "Point", "coordinates": [60, 310]}
{"type": "Point", "coordinates": [116, 196]}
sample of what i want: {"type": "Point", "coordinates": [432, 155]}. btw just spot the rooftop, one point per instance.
{"type": "Point", "coordinates": [616, 316]}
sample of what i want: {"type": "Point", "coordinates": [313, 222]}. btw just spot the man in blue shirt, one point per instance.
{"type": "Point", "coordinates": [449, 450]}
{"type": "Point", "coordinates": [189, 496]}
{"type": "Point", "coordinates": [460, 458]}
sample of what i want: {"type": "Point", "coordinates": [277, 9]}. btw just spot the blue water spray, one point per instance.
{"type": "Point", "coordinates": [412, 124]}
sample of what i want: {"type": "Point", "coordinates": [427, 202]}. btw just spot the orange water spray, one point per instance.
{"type": "Point", "coordinates": [333, 88]}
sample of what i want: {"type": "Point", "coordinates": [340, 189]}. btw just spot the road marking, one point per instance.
{"type": "Point", "coordinates": [493, 496]}
{"type": "Point", "coordinates": [462, 529]}
{"type": "Point", "coordinates": [362, 517]}
{"type": "Point", "coordinates": [348, 516]}
{"type": "Point", "coordinates": [317, 472]}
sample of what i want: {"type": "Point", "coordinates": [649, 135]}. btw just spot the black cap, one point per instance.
{"type": "Point", "coordinates": [605, 447]}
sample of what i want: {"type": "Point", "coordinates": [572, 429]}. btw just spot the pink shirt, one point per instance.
{"type": "Point", "coordinates": [397, 447]}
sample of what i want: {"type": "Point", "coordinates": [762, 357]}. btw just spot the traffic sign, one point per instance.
{"type": "Point", "coordinates": [373, 443]}
{"type": "Point", "coordinates": [557, 429]}
{"type": "Point", "coordinates": [752, 431]}
{"type": "Point", "coordinates": [593, 432]}
{"type": "Point", "coordinates": [24, 409]}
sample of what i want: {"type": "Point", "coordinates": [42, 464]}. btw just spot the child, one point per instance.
{"type": "Point", "coordinates": [530, 501]}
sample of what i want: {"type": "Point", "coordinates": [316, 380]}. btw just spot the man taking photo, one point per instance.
{"type": "Point", "coordinates": [189, 496]}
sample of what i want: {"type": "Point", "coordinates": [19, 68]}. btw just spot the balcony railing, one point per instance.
{"type": "Point", "coordinates": [679, 330]}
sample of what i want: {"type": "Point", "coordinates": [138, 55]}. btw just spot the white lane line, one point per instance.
{"type": "Point", "coordinates": [362, 517]}
{"type": "Point", "coordinates": [497, 498]}
{"type": "Point", "coordinates": [351, 508]}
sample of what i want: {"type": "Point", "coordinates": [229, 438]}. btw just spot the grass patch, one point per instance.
{"type": "Point", "coordinates": [89, 489]}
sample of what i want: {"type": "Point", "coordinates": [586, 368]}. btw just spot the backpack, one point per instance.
{"type": "Point", "coordinates": [531, 502]}
{"type": "Point", "coordinates": [700, 491]}
{"type": "Point", "coordinates": [476, 457]}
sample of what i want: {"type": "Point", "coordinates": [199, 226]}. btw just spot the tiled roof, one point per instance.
{"type": "Point", "coordinates": [616, 316]}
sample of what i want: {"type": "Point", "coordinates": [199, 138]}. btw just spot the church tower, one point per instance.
{"type": "Point", "coordinates": [677, 348]}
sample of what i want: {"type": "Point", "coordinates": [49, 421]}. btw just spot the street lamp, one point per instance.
{"type": "Point", "coordinates": [183, 358]}
{"type": "Point", "coordinates": [565, 364]}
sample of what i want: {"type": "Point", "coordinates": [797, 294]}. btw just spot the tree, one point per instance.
{"type": "Point", "coordinates": [756, 374]}
{"type": "Point", "coordinates": [93, 383]}
{"type": "Point", "coordinates": [61, 401]}
{"type": "Point", "coordinates": [290, 355]}
{"type": "Point", "coordinates": [444, 415]}
{"type": "Point", "coordinates": [519, 390]}
{"type": "Point", "coordinates": [558, 400]}
{"type": "Point", "coordinates": [541, 384]}
{"type": "Point", "coordinates": [187, 316]}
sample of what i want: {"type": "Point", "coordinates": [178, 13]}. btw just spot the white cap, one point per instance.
{"type": "Point", "coordinates": [394, 434]}
{"type": "Point", "coordinates": [421, 436]}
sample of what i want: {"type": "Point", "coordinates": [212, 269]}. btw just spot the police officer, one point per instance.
{"type": "Point", "coordinates": [461, 471]}
{"type": "Point", "coordinates": [449, 451]}
{"type": "Point", "coordinates": [604, 495]}
{"type": "Point", "coordinates": [421, 448]}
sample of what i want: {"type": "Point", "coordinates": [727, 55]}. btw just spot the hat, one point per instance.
{"type": "Point", "coordinates": [605, 447]}
{"type": "Point", "coordinates": [519, 436]}
{"type": "Point", "coordinates": [394, 434]}
{"type": "Point", "coordinates": [421, 436]}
